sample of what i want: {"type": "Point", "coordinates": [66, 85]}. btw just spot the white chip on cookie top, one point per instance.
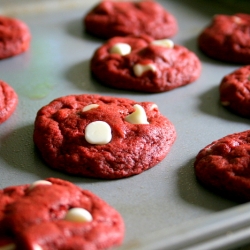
{"type": "Point", "coordinates": [89, 107]}
{"type": "Point", "coordinates": [153, 106]}
{"type": "Point", "coordinates": [138, 116]}
{"type": "Point", "coordinates": [98, 132]}
{"type": "Point", "coordinates": [121, 49]}
{"type": "Point", "coordinates": [78, 215]}
{"type": "Point", "coordinates": [164, 42]}
{"type": "Point", "coordinates": [237, 19]}
{"type": "Point", "coordinates": [37, 183]}
{"type": "Point", "coordinates": [139, 69]}
{"type": "Point", "coordinates": [10, 246]}
{"type": "Point", "coordinates": [36, 247]}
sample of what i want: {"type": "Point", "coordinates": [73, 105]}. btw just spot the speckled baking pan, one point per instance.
{"type": "Point", "coordinates": [164, 207]}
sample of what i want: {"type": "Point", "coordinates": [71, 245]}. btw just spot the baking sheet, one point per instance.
{"type": "Point", "coordinates": [165, 202]}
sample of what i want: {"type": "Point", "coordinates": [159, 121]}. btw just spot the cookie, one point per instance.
{"type": "Point", "coordinates": [102, 137]}
{"type": "Point", "coordinates": [123, 18]}
{"type": "Point", "coordinates": [8, 101]}
{"type": "Point", "coordinates": [145, 65]}
{"type": "Point", "coordinates": [227, 38]}
{"type": "Point", "coordinates": [223, 166]}
{"type": "Point", "coordinates": [14, 37]}
{"type": "Point", "coordinates": [56, 214]}
{"type": "Point", "coordinates": [234, 91]}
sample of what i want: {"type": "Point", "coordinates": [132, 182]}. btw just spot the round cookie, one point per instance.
{"type": "Point", "coordinates": [56, 214]}
{"type": "Point", "coordinates": [223, 166]}
{"type": "Point", "coordinates": [8, 101]}
{"type": "Point", "coordinates": [234, 91]}
{"type": "Point", "coordinates": [14, 37]}
{"type": "Point", "coordinates": [144, 64]}
{"type": "Point", "coordinates": [123, 18]}
{"type": "Point", "coordinates": [227, 38]}
{"type": "Point", "coordinates": [101, 136]}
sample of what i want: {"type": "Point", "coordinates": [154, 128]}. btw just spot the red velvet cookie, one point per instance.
{"type": "Point", "coordinates": [234, 91]}
{"type": "Point", "coordinates": [122, 18]}
{"type": "Point", "coordinates": [102, 137]}
{"type": "Point", "coordinates": [143, 64]}
{"type": "Point", "coordinates": [8, 101]}
{"type": "Point", "coordinates": [14, 37]}
{"type": "Point", "coordinates": [227, 38]}
{"type": "Point", "coordinates": [224, 166]}
{"type": "Point", "coordinates": [56, 214]}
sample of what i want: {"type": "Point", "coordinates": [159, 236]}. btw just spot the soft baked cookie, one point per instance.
{"type": "Point", "coordinates": [55, 214]}
{"type": "Point", "coordinates": [8, 101]}
{"type": "Point", "coordinates": [101, 136]}
{"type": "Point", "coordinates": [227, 38]}
{"type": "Point", "coordinates": [14, 37]}
{"type": "Point", "coordinates": [122, 18]}
{"type": "Point", "coordinates": [224, 166]}
{"type": "Point", "coordinates": [144, 64]}
{"type": "Point", "coordinates": [234, 91]}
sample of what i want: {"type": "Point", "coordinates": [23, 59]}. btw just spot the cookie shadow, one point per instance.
{"type": "Point", "coordinates": [76, 29]}
{"type": "Point", "coordinates": [18, 151]}
{"type": "Point", "coordinates": [194, 193]}
{"type": "Point", "coordinates": [210, 104]}
{"type": "Point", "coordinates": [80, 75]}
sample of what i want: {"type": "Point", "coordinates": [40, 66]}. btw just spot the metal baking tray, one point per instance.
{"type": "Point", "coordinates": [164, 207]}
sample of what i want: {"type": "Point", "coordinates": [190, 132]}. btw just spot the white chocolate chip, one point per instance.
{"type": "Point", "coordinates": [164, 42]}
{"type": "Point", "coordinates": [78, 215]}
{"type": "Point", "coordinates": [98, 132]}
{"type": "Point", "coordinates": [237, 19]}
{"type": "Point", "coordinates": [36, 247]}
{"type": "Point", "coordinates": [89, 107]}
{"type": "Point", "coordinates": [40, 182]}
{"type": "Point", "coordinates": [139, 69]}
{"type": "Point", "coordinates": [138, 116]}
{"type": "Point", "coordinates": [121, 49]}
{"type": "Point", "coordinates": [10, 246]}
{"type": "Point", "coordinates": [153, 106]}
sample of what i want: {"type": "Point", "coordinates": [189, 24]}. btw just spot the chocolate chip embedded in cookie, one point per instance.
{"type": "Point", "coordinates": [223, 166]}
{"type": "Point", "coordinates": [144, 64]}
{"type": "Point", "coordinates": [8, 101]}
{"type": "Point", "coordinates": [234, 91]}
{"type": "Point", "coordinates": [14, 37]}
{"type": "Point", "coordinates": [101, 136]}
{"type": "Point", "coordinates": [227, 38]}
{"type": "Point", "coordinates": [56, 214]}
{"type": "Point", "coordinates": [123, 18]}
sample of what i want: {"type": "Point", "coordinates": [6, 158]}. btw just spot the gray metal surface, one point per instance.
{"type": "Point", "coordinates": [163, 201]}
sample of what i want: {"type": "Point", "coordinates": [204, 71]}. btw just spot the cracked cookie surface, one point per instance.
{"type": "Point", "coordinates": [223, 166]}
{"type": "Point", "coordinates": [134, 136]}
{"type": "Point", "coordinates": [14, 37]}
{"type": "Point", "coordinates": [227, 38]}
{"type": "Point", "coordinates": [56, 214]}
{"type": "Point", "coordinates": [114, 18]}
{"type": "Point", "coordinates": [148, 66]}
{"type": "Point", "coordinates": [8, 101]}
